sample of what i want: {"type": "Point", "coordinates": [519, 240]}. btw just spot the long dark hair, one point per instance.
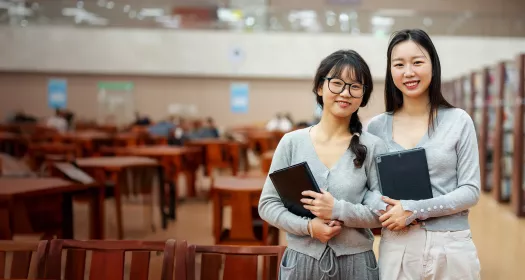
{"type": "Point", "coordinates": [334, 65]}
{"type": "Point", "coordinates": [393, 96]}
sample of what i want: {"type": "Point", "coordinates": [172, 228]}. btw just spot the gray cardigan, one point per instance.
{"type": "Point", "coordinates": [453, 163]}
{"type": "Point", "coordinates": [345, 182]}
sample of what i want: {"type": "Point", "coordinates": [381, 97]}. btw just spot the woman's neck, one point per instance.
{"type": "Point", "coordinates": [331, 127]}
{"type": "Point", "coordinates": [416, 107]}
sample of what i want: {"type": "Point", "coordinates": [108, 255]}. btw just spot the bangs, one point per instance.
{"type": "Point", "coordinates": [347, 70]}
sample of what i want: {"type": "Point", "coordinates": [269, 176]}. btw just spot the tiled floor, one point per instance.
{"type": "Point", "coordinates": [498, 234]}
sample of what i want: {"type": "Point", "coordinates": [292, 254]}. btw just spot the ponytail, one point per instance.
{"type": "Point", "coordinates": [356, 128]}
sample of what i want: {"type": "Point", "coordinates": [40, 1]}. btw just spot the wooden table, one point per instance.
{"type": "Point", "coordinates": [88, 141]}
{"type": "Point", "coordinates": [213, 157]}
{"type": "Point", "coordinates": [242, 195]}
{"type": "Point", "coordinates": [41, 193]}
{"type": "Point", "coordinates": [115, 166]}
{"type": "Point", "coordinates": [175, 160]}
{"type": "Point", "coordinates": [11, 143]}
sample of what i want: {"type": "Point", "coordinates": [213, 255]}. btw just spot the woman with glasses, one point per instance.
{"type": "Point", "coordinates": [440, 246]}
{"type": "Point", "coordinates": [340, 156]}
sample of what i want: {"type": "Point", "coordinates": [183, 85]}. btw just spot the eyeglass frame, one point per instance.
{"type": "Point", "coordinates": [344, 87]}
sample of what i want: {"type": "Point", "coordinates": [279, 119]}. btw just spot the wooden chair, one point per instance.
{"type": "Point", "coordinates": [23, 252]}
{"type": "Point", "coordinates": [108, 258]}
{"type": "Point", "coordinates": [240, 262]}
{"type": "Point", "coordinates": [217, 156]}
{"type": "Point", "coordinates": [266, 161]}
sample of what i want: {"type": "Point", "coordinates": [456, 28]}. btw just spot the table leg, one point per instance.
{"type": "Point", "coordinates": [67, 216]}
{"type": "Point", "coordinates": [96, 213]}
{"type": "Point", "coordinates": [162, 197]}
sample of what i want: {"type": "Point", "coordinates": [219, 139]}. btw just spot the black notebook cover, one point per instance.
{"type": "Point", "coordinates": [404, 175]}
{"type": "Point", "coordinates": [290, 182]}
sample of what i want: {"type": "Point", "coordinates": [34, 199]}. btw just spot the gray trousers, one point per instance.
{"type": "Point", "coordinates": [361, 266]}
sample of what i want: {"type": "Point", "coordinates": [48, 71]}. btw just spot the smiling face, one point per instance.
{"type": "Point", "coordinates": [342, 93]}
{"type": "Point", "coordinates": [411, 69]}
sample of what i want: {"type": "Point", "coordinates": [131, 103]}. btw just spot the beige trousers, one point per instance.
{"type": "Point", "coordinates": [417, 254]}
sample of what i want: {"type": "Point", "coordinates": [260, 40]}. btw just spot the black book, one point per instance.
{"type": "Point", "coordinates": [404, 175]}
{"type": "Point", "coordinates": [290, 182]}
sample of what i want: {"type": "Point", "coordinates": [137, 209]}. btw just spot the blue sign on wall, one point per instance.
{"type": "Point", "coordinates": [239, 97]}
{"type": "Point", "coordinates": [57, 93]}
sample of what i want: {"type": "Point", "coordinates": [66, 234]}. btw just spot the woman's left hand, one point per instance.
{"type": "Point", "coordinates": [321, 205]}
{"type": "Point", "coordinates": [395, 218]}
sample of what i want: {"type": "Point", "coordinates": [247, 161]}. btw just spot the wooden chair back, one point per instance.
{"type": "Point", "coordinates": [108, 259]}
{"type": "Point", "coordinates": [22, 253]}
{"type": "Point", "coordinates": [240, 262]}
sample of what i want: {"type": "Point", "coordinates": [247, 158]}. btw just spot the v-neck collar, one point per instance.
{"type": "Point", "coordinates": [424, 138]}
{"type": "Point", "coordinates": [318, 159]}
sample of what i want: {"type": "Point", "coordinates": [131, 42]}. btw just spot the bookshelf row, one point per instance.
{"type": "Point", "coordinates": [494, 98]}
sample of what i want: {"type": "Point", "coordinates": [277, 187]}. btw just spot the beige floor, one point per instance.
{"type": "Point", "coordinates": [498, 234]}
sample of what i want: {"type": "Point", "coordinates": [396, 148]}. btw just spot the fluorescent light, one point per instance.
{"type": "Point", "coordinates": [19, 10]}
{"type": "Point", "coordinates": [82, 15]}
{"type": "Point", "coordinates": [71, 12]}
{"type": "Point", "coordinates": [396, 12]}
{"type": "Point", "coordinates": [382, 21]}
{"type": "Point", "coordinates": [229, 15]}
{"type": "Point", "coordinates": [151, 12]}
{"type": "Point", "coordinates": [5, 5]}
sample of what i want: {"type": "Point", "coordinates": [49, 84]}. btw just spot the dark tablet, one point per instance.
{"type": "Point", "coordinates": [404, 175]}
{"type": "Point", "coordinates": [290, 182]}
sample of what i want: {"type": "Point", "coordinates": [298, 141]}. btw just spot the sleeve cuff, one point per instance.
{"type": "Point", "coordinates": [380, 205]}
{"type": "Point", "coordinates": [336, 211]}
{"type": "Point", "coordinates": [410, 205]}
{"type": "Point", "coordinates": [304, 226]}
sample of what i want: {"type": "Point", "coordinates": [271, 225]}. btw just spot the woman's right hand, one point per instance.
{"type": "Point", "coordinates": [322, 231]}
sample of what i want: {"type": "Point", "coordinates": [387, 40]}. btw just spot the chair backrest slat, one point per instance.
{"type": "Point", "coordinates": [240, 262]}
{"type": "Point", "coordinates": [21, 260]}
{"type": "Point", "coordinates": [75, 264]}
{"type": "Point", "coordinates": [108, 258]}
{"type": "Point", "coordinates": [211, 266]}
{"type": "Point", "coordinates": [139, 265]}
{"type": "Point", "coordinates": [107, 265]}
{"type": "Point", "coordinates": [240, 267]}
{"type": "Point", "coordinates": [2, 264]}
{"type": "Point", "coordinates": [169, 258]}
{"type": "Point", "coordinates": [20, 264]}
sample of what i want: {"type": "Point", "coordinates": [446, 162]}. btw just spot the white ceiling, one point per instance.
{"type": "Point", "coordinates": [159, 14]}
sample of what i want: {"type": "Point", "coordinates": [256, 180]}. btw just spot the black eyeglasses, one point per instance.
{"type": "Point", "coordinates": [337, 86]}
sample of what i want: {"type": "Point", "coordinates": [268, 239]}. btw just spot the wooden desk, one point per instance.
{"type": "Point", "coordinates": [175, 159]}
{"type": "Point", "coordinates": [115, 166]}
{"type": "Point", "coordinates": [43, 194]}
{"type": "Point", "coordinates": [12, 143]}
{"type": "Point", "coordinates": [213, 153]}
{"type": "Point", "coordinates": [89, 141]}
{"type": "Point", "coordinates": [242, 195]}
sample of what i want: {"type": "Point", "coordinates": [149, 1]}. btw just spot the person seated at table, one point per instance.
{"type": "Point", "coordinates": [161, 128]}
{"type": "Point", "coordinates": [279, 123]}
{"type": "Point", "coordinates": [208, 130]}
{"type": "Point", "coordinates": [181, 133]}
{"type": "Point", "coordinates": [141, 120]}
{"type": "Point", "coordinates": [57, 121]}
